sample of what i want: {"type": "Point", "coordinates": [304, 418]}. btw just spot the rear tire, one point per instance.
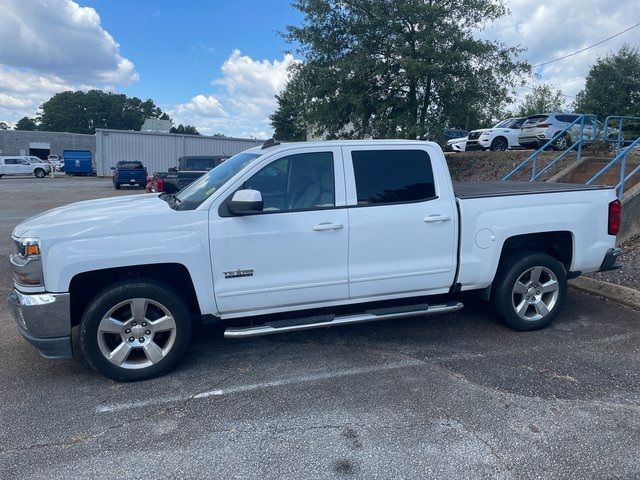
{"type": "Point", "coordinates": [529, 291]}
{"type": "Point", "coordinates": [135, 329]}
{"type": "Point", "coordinates": [39, 173]}
{"type": "Point", "coordinates": [563, 142]}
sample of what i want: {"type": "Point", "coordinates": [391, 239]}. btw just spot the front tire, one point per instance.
{"type": "Point", "coordinates": [530, 291]}
{"type": "Point", "coordinates": [39, 173]}
{"type": "Point", "coordinates": [499, 144]}
{"type": "Point", "coordinates": [135, 330]}
{"type": "Point", "coordinates": [117, 186]}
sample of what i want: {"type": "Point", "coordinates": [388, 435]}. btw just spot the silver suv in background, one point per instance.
{"type": "Point", "coordinates": [539, 129]}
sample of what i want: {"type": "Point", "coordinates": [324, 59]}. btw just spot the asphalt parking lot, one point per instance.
{"type": "Point", "coordinates": [453, 396]}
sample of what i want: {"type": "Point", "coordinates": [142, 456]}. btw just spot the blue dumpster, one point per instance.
{"type": "Point", "coordinates": [78, 162]}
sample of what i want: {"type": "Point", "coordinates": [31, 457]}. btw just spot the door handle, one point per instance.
{"type": "Point", "coordinates": [437, 218]}
{"type": "Point", "coordinates": [327, 226]}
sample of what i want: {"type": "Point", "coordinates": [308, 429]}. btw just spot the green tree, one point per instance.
{"type": "Point", "coordinates": [4, 126]}
{"type": "Point", "coordinates": [541, 99]}
{"type": "Point", "coordinates": [390, 68]}
{"type": "Point", "coordinates": [26, 123]}
{"type": "Point", "coordinates": [288, 120]}
{"type": "Point", "coordinates": [185, 129]}
{"type": "Point", "coordinates": [83, 112]}
{"type": "Point", "coordinates": [613, 85]}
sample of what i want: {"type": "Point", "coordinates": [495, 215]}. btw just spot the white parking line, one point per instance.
{"type": "Point", "coordinates": [118, 407]}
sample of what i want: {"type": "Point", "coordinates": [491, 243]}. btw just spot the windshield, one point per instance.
{"type": "Point", "coordinates": [193, 195]}
{"type": "Point", "coordinates": [504, 123]}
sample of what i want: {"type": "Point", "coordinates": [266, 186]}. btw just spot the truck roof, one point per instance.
{"type": "Point", "coordinates": [341, 143]}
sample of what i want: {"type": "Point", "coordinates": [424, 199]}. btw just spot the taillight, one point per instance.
{"type": "Point", "coordinates": [543, 125]}
{"type": "Point", "coordinates": [159, 184]}
{"type": "Point", "coordinates": [615, 217]}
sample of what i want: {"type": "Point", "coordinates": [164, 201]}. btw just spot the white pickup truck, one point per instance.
{"type": "Point", "coordinates": [300, 236]}
{"type": "Point", "coordinates": [21, 165]}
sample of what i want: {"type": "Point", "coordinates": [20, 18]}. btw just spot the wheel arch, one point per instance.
{"type": "Point", "coordinates": [558, 244]}
{"type": "Point", "coordinates": [86, 285]}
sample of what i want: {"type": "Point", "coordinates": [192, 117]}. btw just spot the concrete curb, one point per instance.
{"type": "Point", "coordinates": [616, 293]}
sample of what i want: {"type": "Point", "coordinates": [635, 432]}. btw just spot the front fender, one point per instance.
{"type": "Point", "coordinates": [66, 259]}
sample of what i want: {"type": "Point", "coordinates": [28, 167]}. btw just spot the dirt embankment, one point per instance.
{"type": "Point", "coordinates": [487, 166]}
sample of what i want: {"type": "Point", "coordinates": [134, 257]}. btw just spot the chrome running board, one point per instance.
{"type": "Point", "coordinates": [331, 321]}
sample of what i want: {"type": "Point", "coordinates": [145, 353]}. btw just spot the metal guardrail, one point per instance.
{"type": "Point", "coordinates": [620, 141]}
{"type": "Point", "coordinates": [620, 158]}
{"type": "Point", "coordinates": [533, 158]}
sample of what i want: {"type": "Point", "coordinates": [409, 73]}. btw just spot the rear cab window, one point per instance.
{"type": "Point", "coordinates": [130, 166]}
{"type": "Point", "coordinates": [384, 177]}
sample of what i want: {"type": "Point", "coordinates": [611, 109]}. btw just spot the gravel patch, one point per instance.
{"type": "Point", "coordinates": [629, 274]}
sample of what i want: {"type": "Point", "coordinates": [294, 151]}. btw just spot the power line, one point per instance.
{"type": "Point", "coordinates": [587, 48]}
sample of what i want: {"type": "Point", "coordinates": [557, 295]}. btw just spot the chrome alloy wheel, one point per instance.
{"type": "Point", "coordinates": [535, 293]}
{"type": "Point", "coordinates": [136, 333]}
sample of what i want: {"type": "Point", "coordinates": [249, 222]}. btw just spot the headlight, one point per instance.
{"type": "Point", "coordinates": [26, 263]}
{"type": "Point", "coordinates": [27, 247]}
{"type": "Point", "coordinates": [486, 133]}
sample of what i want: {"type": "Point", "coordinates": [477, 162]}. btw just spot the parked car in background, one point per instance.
{"type": "Point", "coordinates": [539, 129]}
{"type": "Point", "coordinates": [451, 134]}
{"type": "Point", "coordinates": [56, 162]}
{"type": "Point", "coordinates": [285, 238]}
{"type": "Point", "coordinates": [129, 172]}
{"type": "Point", "coordinates": [24, 165]}
{"type": "Point", "coordinates": [456, 145]}
{"type": "Point", "coordinates": [502, 136]}
{"type": "Point", "coordinates": [189, 169]}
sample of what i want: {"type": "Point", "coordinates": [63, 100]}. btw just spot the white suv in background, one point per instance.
{"type": "Point", "coordinates": [499, 138]}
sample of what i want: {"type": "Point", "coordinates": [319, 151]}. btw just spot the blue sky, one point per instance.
{"type": "Point", "coordinates": [219, 64]}
{"type": "Point", "coordinates": [178, 47]}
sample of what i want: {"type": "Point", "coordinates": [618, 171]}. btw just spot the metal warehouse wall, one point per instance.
{"type": "Point", "coordinates": [159, 151]}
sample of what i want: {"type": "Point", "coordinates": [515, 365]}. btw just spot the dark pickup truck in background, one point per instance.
{"type": "Point", "coordinates": [129, 172]}
{"type": "Point", "coordinates": [188, 170]}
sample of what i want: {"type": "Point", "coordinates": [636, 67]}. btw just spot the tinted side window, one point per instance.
{"type": "Point", "coordinates": [392, 176]}
{"type": "Point", "coordinates": [10, 161]}
{"type": "Point", "coordinates": [296, 182]}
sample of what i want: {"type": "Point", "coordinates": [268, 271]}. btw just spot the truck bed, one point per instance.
{"type": "Point", "coordinates": [467, 190]}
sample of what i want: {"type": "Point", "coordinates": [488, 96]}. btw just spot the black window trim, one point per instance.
{"type": "Point", "coordinates": [408, 202]}
{"type": "Point", "coordinates": [223, 210]}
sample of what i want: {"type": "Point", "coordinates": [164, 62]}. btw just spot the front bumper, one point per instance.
{"type": "Point", "coordinates": [610, 259]}
{"type": "Point", "coordinates": [44, 320]}
{"type": "Point", "coordinates": [473, 145]}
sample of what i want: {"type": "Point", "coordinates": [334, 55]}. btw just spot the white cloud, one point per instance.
{"type": "Point", "coordinates": [47, 46]}
{"type": "Point", "coordinates": [550, 30]}
{"type": "Point", "coordinates": [244, 97]}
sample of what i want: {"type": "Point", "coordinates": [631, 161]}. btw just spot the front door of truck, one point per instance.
{"type": "Point", "coordinates": [294, 253]}
{"type": "Point", "coordinates": [402, 224]}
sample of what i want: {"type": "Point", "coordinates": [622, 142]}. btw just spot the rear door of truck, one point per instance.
{"type": "Point", "coordinates": [402, 220]}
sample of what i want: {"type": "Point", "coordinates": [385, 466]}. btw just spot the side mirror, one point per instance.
{"type": "Point", "coordinates": [113, 168]}
{"type": "Point", "coordinates": [172, 169]}
{"type": "Point", "coordinates": [245, 202]}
